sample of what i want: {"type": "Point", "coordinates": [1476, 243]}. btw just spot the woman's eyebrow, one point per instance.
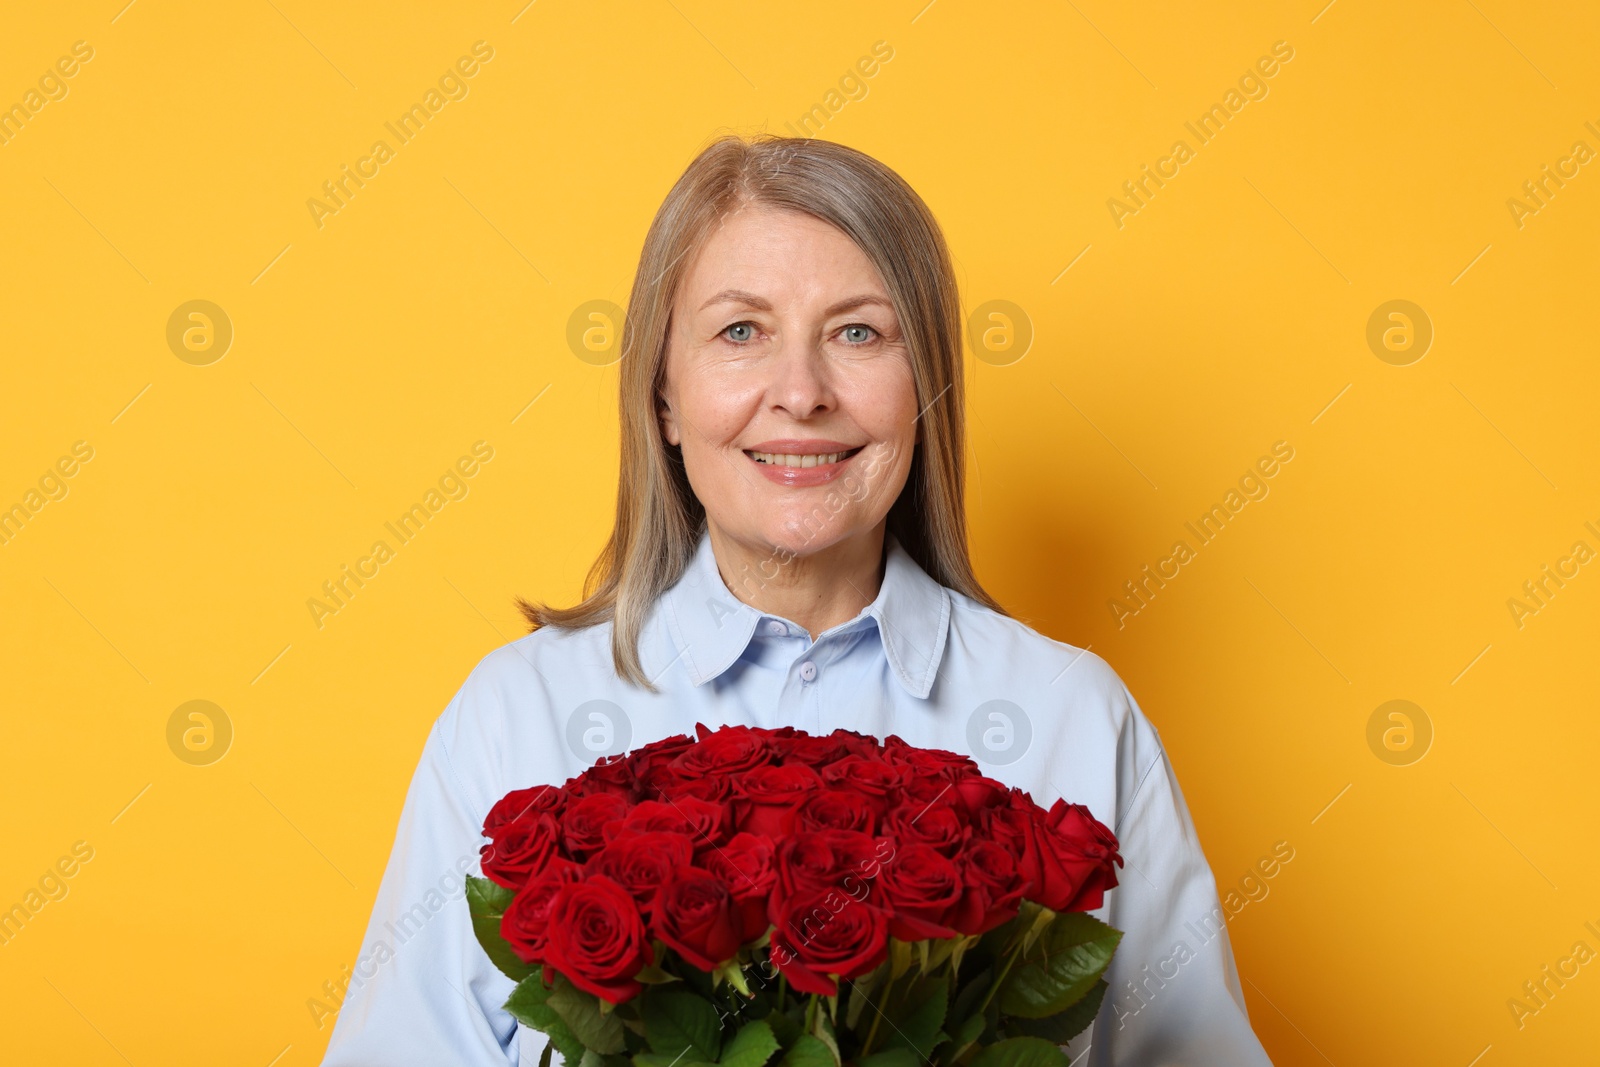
{"type": "Point", "coordinates": [738, 296]}
{"type": "Point", "coordinates": [751, 300]}
{"type": "Point", "coordinates": [859, 301]}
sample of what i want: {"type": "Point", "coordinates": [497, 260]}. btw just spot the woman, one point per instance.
{"type": "Point", "coordinates": [790, 548]}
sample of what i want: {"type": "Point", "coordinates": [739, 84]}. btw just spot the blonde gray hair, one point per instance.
{"type": "Point", "coordinates": [658, 518]}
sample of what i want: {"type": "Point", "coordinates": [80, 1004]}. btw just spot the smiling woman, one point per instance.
{"type": "Point", "coordinates": [789, 552]}
{"type": "Point", "coordinates": [794, 302]}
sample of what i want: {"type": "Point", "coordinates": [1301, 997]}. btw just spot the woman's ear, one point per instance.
{"type": "Point", "coordinates": [669, 421]}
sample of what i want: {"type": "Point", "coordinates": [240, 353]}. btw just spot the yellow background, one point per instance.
{"type": "Point", "coordinates": [1229, 313]}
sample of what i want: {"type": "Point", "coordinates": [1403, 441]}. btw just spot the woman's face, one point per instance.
{"type": "Point", "coordinates": [788, 384]}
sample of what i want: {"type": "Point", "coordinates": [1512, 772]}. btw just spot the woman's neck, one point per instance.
{"type": "Point", "coordinates": [818, 590]}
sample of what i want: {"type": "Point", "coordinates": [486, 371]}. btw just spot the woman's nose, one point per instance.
{"type": "Point", "coordinates": [800, 383]}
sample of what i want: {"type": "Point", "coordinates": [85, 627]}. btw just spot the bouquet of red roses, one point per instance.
{"type": "Point", "coordinates": [754, 897]}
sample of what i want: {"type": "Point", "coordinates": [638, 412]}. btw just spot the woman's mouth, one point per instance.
{"type": "Point", "coordinates": [802, 463]}
{"type": "Point", "coordinates": [808, 459]}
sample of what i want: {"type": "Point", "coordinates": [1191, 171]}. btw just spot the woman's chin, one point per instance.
{"type": "Point", "coordinates": [806, 533]}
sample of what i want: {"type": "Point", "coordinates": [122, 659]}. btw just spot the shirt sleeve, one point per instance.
{"type": "Point", "coordinates": [1174, 994]}
{"type": "Point", "coordinates": [422, 990]}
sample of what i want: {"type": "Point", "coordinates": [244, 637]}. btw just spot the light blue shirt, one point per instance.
{"type": "Point", "coordinates": [920, 661]}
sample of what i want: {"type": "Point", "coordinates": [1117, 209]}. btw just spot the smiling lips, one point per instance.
{"type": "Point", "coordinates": [801, 463]}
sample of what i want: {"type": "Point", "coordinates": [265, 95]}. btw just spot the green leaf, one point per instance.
{"type": "Point", "coordinates": [599, 1031]}
{"type": "Point", "coordinates": [1021, 1052]}
{"type": "Point", "coordinates": [652, 974]}
{"type": "Point", "coordinates": [823, 1031]}
{"type": "Point", "coordinates": [784, 1027]}
{"type": "Point", "coordinates": [1041, 920]}
{"type": "Point", "coordinates": [958, 949]}
{"type": "Point", "coordinates": [1061, 967]}
{"type": "Point", "coordinates": [678, 1022]}
{"type": "Point", "coordinates": [752, 1046]}
{"type": "Point", "coordinates": [1063, 1026]}
{"type": "Point", "coordinates": [861, 992]}
{"type": "Point", "coordinates": [899, 957]}
{"type": "Point", "coordinates": [527, 1003]}
{"type": "Point", "coordinates": [809, 1052]}
{"type": "Point", "coordinates": [917, 1029]}
{"type": "Point", "coordinates": [487, 902]}
{"type": "Point", "coordinates": [966, 1034]}
{"type": "Point", "coordinates": [544, 1057]}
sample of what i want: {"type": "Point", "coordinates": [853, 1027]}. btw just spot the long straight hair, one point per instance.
{"type": "Point", "coordinates": [658, 519]}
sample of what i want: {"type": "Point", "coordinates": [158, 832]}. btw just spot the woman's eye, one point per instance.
{"type": "Point", "coordinates": [857, 334]}
{"type": "Point", "coordinates": [739, 331]}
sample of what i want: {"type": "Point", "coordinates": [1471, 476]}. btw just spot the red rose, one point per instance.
{"type": "Point", "coordinates": [646, 762]}
{"type": "Point", "coordinates": [748, 865]}
{"type": "Point", "coordinates": [596, 937]}
{"type": "Point", "coordinates": [729, 751]}
{"type": "Point", "coordinates": [643, 863]}
{"type": "Point", "coordinates": [858, 860]}
{"type": "Point", "coordinates": [872, 775]}
{"type": "Point", "coordinates": [658, 779]}
{"type": "Point", "coordinates": [942, 826]}
{"type": "Point", "coordinates": [1065, 857]}
{"type": "Point", "coordinates": [520, 802]}
{"type": "Point", "coordinates": [765, 795]}
{"type": "Point", "coordinates": [583, 823]}
{"type": "Point", "coordinates": [703, 821]}
{"type": "Point", "coordinates": [671, 784]}
{"type": "Point", "coordinates": [1077, 849]}
{"type": "Point", "coordinates": [933, 763]}
{"type": "Point", "coordinates": [829, 859]}
{"type": "Point", "coordinates": [695, 914]}
{"type": "Point", "coordinates": [980, 794]}
{"type": "Point", "coordinates": [805, 862]}
{"type": "Point", "coordinates": [921, 887]}
{"type": "Point", "coordinates": [527, 918]}
{"type": "Point", "coordinates": [521, 849]}
{"type": "Point", "coordinates": [820, 751]}
{"type": "Point", "coordinates": [822, 934]}
{"type": "Point", "coordinates": [834, 809]}
{"type": "Point", "coordinates": [991, 889]}
{"type": "Point", "coordinates": [610, 774]}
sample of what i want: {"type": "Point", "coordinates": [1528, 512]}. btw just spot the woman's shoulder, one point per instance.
{"type": "Point", "coordinates": [988, 640]}
{"type": "Point", "coordinates": [1065, 706]}
{"type": "Point", "coordinates": [515, 690]}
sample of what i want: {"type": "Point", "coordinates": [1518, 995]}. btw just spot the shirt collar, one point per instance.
{"type": "Point", "coordinates": [711, 627]}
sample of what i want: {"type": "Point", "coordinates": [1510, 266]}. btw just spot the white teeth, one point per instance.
{"type": "Point", "coordinates": [784, 459]}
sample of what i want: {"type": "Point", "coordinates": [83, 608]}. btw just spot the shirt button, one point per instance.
{"type": "Point", "coordinates": [777, 629]}
{"type": "Point", "coordinates": [808, 671]}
